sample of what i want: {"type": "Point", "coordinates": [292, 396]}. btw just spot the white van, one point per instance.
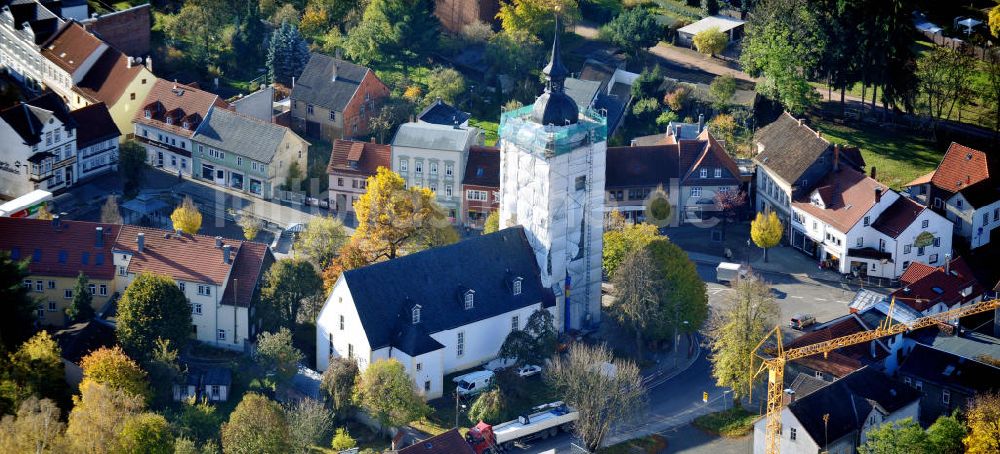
{"type": "Point", "coordinates": [474, 382]}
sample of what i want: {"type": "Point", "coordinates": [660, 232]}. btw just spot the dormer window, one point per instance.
{"type": "Point", "coordinates": [415, 314]}
{"type": "Point", "coordinates": [516, 287]}
{"type": "Point", "coordinates": [703, 173]}
{"type": "Point", "coordinates": [469, 299]}
{"type": "Point", "coordinates": [148, 114]}
{"type": "Point", "coordinates": [186, 125]}
{"type": "Point", "coordinates": [170, 120]}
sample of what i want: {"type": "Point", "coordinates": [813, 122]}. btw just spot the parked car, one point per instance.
{"type": "Point", "coordinates": [528, 370]}
{"type": "Point", "coordinates": [474, 383]}
{"type": "Point", "coordinates": [499, 364]}
{"type": "Point", "coordinates": [801, 321]}
{"type": "Point", "coordinates": [729, 272]}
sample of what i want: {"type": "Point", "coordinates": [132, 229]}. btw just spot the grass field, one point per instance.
{"type": "Point", "coordinates": [898, 157]}
{"type": "Point", "coordinates": [734, 422]}
{"type": "Point", "coordinates": [651, 444]}
{"type": "Point", "coordinates": [489, 130]}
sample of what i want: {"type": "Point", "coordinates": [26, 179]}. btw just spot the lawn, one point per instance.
{"type": "Point", "coordinates": [734, 422]}
{"type": "Point", "coordinates": [489, 130]}
{"type": "Point", "coordinates": [898, 156]}
{"type": "Point", "coordinates": [650, 444]}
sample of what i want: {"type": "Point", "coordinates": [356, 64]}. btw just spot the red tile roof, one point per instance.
{"type": "Point", "coordinates": [63, 251]}
{"type": "Point", "coordinates": [186, 257]}
{"type": "Point", "coordinates": [369, 156]}
{"type": "Point", "coordinates": [915, 272]}
{"type": "Point", "coordinates": [450, 442]}
{"type": "Point", "coordinates": [712, 155]}
{"type": "Point", "coordinates": [483, 167]}
{"type": "Point", "coordinates": [250, 264]}
{"type": "Point", "coordinates": [961, 167]}
{"type": "Point", "coordinates": [844, 360]}
{"type": "Point", "coordinates": [898, 216]}
{"type": "Point", "coordinates": [70, 47]}
{"type": "Point", "coordinates": [937, 286]}
{"type": "Point", "coordinates": [170, 98]}
{"type": "Point", "coordinates": [923, 179]}
{"type": "Point", "coordinates": [847, 196]}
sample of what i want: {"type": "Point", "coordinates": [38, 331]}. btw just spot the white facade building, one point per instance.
{"type": "Point", "coordinates": [170, 117]}
{"type": "Point", "coordinates": [39, 146]}
{"type": "Point", "coordinates": [434, 156]}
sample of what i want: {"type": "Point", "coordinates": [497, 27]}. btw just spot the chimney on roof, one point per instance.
{"type": "Point", "coordinates": [701, 123]}
{"type": "Point", "coordinates": [293, 81]}
{"type": "Point", "coordinates": [149, 64]}
{"type": "Point", "coordinates": [878, 194]}
{"type": "Point", "coordinates": [836, 157]}
{"type": "Point", "coordinates": [874, 173]}
{"type": "Point", "coordinates": [99, 239]}
{"type": "Point", "coordinates": [819, 135]}
{"type": "Point", "coordinates": [55, 221]}
{"type": "Point", "coordinates": [128, 62]}
{"type": "Point", "coordinates": [140, 241]}
{"type": "Point", "coordinates": [373, 139]}
{"type": "Point", "coordinates": [789, 396]}
{"type": "Point", "coordinates": [218, 242]}
{"type": "Point", "coordinates": [801, 122]}
{"type": "Point", "coordinates": [227, 253]}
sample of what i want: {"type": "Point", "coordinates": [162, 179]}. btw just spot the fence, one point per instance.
{"type": "Point", "coordinates": [955, 43]}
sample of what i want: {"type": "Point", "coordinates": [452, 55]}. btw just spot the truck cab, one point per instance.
{"type": "Point", "coordinates": [481, 438]}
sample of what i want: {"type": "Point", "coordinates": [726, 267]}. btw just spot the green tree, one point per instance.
{"type": "Point", "coordinates": [164, 372]}
{"type": "Point", "coordinates": [18, 322]}
{"type": "Point", "coordinates": [81, 308]}
{"type": "Point", "coordinates": [982, 419]}
{"type": "Point", "coordinates": [517, 53]}
{"type": "Point", "coordinates": [711, 42]}
{"type": "Point", "coordinates": [386, 393]}
{"type": "Point", "coordinates": [766, 231]}
{"type": "Point", "coordinates": [99, 414]}
{"type": "Point", "coordinates": [109, 211]}
{"type": "Point", "coordinates": [683, 301]}
{"type": "Point", "coordinates": [994, 20]}
{"type": "Point", "coordinates": [489, 407]}
{"type": "Point", "coordinates": [113, 368]}
{"type": "Point", "coordinates": [492, 223]}
{"type": "Point", "coordinates": [646, 109]}
{"type": "Point", "coordinates": [518, 346]}
{"type": "Point", "coordinates": [36, 428]}
{"type": "Point", "coordinates": [152, 308]}
{"type": "Point", "coordinates": [321, 239]}
{"type": "Point", "coordinates": [946, 435]}
{"type": "Point", "coordinates": [780, 47]}
{"type": "Point", "coordinates": [393, 112]}
{"type": "Point", "coordinates": [636, 294]}
{"type": "Point", "coordinates": [291, 290]}
{"type": "Point", "coordinates": [750, 313]}
{"type": "Point", "coordinates": [536, 16]}
{"type": "Point", "coordinates": [338, 385]}
{"type": "Point", "coordinates": [251, 226]}
{"type": "Point", "coordinates": [186, 217]}
{"type": "Point", "coordinates": [666, 117]}
{"type": "Point", "coordinates": [131, 163]}
{"type": "Point", "coordinates": [620, 243]}
{"type": "Point", "coordinates": [37, 367]}
{"type": "Point", "coordinates": [899, 437]}
{"type": "Point", "coordinates": [541, 327]}
{"type": "Point", "coordinates": [649, 83]}
{"type": "Point", "coordinates": [308, 423]}
{"type": "Point", "coordinates": [257, 425]}
{"type": "Point", "coordinates": [721, 91]}
{"type": "Point", "coordinates": [342, 441]}
{"type": "Point", "coordinates": [393, 28]}
{"type": "Point", "coordinates": [146, 433]}
{"type": "Point", "coordinates": [945, 76]}
{"type": "Point", "coordinates": [287, 53]}
{"type": "Point", "coordinates": [633, 30]}
{"type": "Point", "coordinates": [710, 7]}
{"type": "Point", "coordinates": [276, 354]}
{"type": "Point", "coordinates": [198, 420]}
{"type": "Point", "coordinates": [446, 84]}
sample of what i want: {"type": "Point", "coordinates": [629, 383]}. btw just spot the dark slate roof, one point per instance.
{"type": "Point", "coordinates": [640, 166]}
{"type": "Point", "coordinates": [77, 341]}
{"type": "Point", "coordinates": [848, 401]}
{"type": "Point", "coordinates": [96, 125]}
{"type": "Point", "coordinates": [947, 369]}
{"type": "Point", "coordinates": [28, 118]}
{"type": "Point", "coordinates": [789, 147]}
{"type": "Point", "coordinates": [237, 133]}
{"type": "Point", "coordinates": [42, 21]}
{"type": "Point", "coordinates": [613, 107]}
{"type": "Point", "coordinates": [483, 167]}
{"type": "Point", "coordinates": [217, 376]}
{"type": "Point", "coordinates": [450, 442]}
{"type": "Point", "coordinates": [968, 344]}
{"type": "Point", "coordinates": [385, 293]}
{"type": "Point", "coordinates": [582, 91]}
{"type": "Point", "coordinates": [442, 113]}
{"type": "Point", "coordinates": [317, 86]}
{"type": "Point", "coordinates": [898, 216]}
{"type": "Point", "coordinates": [983, 193]}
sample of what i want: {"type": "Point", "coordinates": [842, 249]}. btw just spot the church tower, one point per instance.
{"type": "Point", "coordinates": [552, 166]}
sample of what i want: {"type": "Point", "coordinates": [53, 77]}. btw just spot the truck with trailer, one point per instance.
{"type": "Point", "coordinates": [546, 422]}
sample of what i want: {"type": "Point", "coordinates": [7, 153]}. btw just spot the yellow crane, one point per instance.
{"type": "Point", "coordinates": [775, 364]}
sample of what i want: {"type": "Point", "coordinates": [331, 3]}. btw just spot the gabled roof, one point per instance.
{"type": "Point", "coordinates": [898, 216]}
{"type": "Point", "coordinates": [960, 167]}
{"type": "Point", "coordinates": [251, 262]}
{"type": "Point", "coordinates": [28, 118]}
{"type": "Point", "coordinates": [60, 252]}
{"type": "Point", "coordinates": [96, 125]}
{"type": "Point", "coordinates": [789, 147]}
{"type": "Point", "coordinates": [847, 196]}
{"type": "Point", "coordinates": [967, 344]}
{"type": "Point", "coordinates": [841, 361]}
{"type": "Point", "coordinates": [923, 289]}
{"type": "Point", "coordinates": [385, 293]}
{"type": "Point", "coordinates": [923, 179]}
{"type": "Point", "coordinates": [712, 156]}
{"type": "Point", "coordinates": [582, 91]}
{"type": "Point", "coordinates": [947, 369]}
{"type": "Point", "coordinates": [71, 46]}
{"type": "Point", "coordinates": [107, 80]}
{"type": "Point", "coordinates": [242, 135]}
{"type": "Point", "coordinates": [442, 113]}
{"type": "Point", "coordinates": [434, 137]}
{"type": "Point", "coordinates": [450, 442]}
{"type": "Point", "coordinates": [165, 97]}
{"type": "Point", "coordinates": [78, 340]}
{"type": "Point", "coordinates": [483, 167]}
{"type": "Point", "coordinates": [848, 402]}
{"type": "Point", "coordinates": [983, 193]}
{"type": "Point", "coordinates": [371, 156]}
{"type": "Point", "coordinates": [640, 166]}
{"type": "Point", "coordinates": [317, 84]}
{"type": "Point", "coordinates": [722, 23]}
{"type": "Point", "coordinates": [43, 22]}
{"type": "Point", "coordinates": [192, 258]}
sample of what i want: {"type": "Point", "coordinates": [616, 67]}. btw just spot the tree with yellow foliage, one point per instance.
{"type": "Point", "coordinates": [113, 368]}
{"type": "Point", "coordinates": [394, 220]}
{"type": "Point", "coordinates": [492, 222]}
{"type": "Point", "coordinates": [983, 421]}
{"type": "Point", "coordinates": [44, 213]}
{"type": "Point", "coordinates": [186, 217]}
{"type": "Point", "coordinates": [536, 16]}
{"type": "Point", "coordinates": [766, 231]}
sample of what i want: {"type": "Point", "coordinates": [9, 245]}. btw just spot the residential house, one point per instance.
{"type": "Point", "coordinates": [450, 442]}
{"type": "Point", "coordinates": [838, 417]}
{"type": "Point", "coordinates": [481, 185]}
{"type": "Point", "coordinates": [791, 158]}
{"type": "Point", "coordinates": [259, 104]}
{"type": "Point", "coordinates": [434, 156]}
{"type": "Point", "coordinates": [334, 98]}
{"type": "Point", "coordinates": [39, 149]}
{"type": "Point", "coordinates": [57, 252]}
{"type": "Point", "coordinates": [351, 163]}
{"type": "Point", "coordinates": [68, 56]}
{"type": "Point", "coordinates": [945, 381]}
{"type": "Point", "coordinates": [79, 340]}
{"type": "Point", "coordinates": [733, 28]}
{"type": "Point", "coordinates": [965, 189]}
{"type": "Point", "coordinates": [447, 309]}
{"type": "Point", "coordinates": [219, 277]}
{"type": "Point", "coordinates": [605, 86]}
{"type": "Point", "coordinates": [933, 289]}
{"type": "Point", "coordinates": [842, 361]}
{"type": "Point", "coordinates": [853, 224]}
{"type": "Point", "coordinates": [633, 173]}
{"type": "Point", "coordinates": [442, 113]}
{"type": "Point", "coordinates": [120, 82]}
{"type": "Point", "coordinates": [455, 15]}
{"type": "Point", "coordinates": [208, 383]}
{"type": "Point", "coordinates": [246, 154]}
{"type": "Point", "coordinates": [167, 122]}
{"type": "Point", "coordinates": [24, 28]}
{"type": "Point", "coordinates": [96, 141]}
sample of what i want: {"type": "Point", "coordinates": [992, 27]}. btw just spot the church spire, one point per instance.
{"type": "Point", "coordinates": [555, 107]}
{"type": "Point", "coordinates": [555, 71]}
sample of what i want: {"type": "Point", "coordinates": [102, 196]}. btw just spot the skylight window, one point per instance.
{"type": "Point", "coordinates": [469, 299]}
{"type": "Point", "coordinates": [415, 314]}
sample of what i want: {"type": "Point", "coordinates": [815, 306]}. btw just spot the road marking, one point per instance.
{"type": "Point", "coordinates": [820, 299]}
{"type": "Point", "coordinates": [797, 297]}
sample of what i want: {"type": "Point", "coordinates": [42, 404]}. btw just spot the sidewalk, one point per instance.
{"type": "Point", "coordinates": [782, 260]}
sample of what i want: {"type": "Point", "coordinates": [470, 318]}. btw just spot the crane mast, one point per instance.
{"type": "Point", "coordinates": [775, 364]}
